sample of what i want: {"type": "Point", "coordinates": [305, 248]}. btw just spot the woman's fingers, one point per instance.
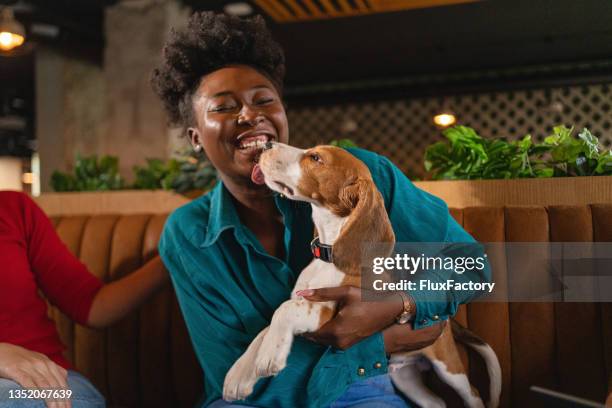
{"type": "Point", "coordinates": [31, 369]}
{"type": "Point", "coordinates": [337, 293]}
{"type": "Point", "coordinates": [45, 377]}
{"type": "Point", "coordinates": [24, 379]}
{"type": "Point", "coordinates": [355, 319]}
{"type": "Point", "coordinates": [334, 333]}
{"type": "Point", "coordinates": [61, 376]}
{"type": "Point", "coordinates": [41, 377]}
{"type": "Point", "coordinates": [30, 379]}
{"type": "Point", "coordinates": [42, 380]}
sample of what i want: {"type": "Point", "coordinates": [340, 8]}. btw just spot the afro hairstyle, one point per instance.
{"type": "Point", "coordinates": [211, 41]}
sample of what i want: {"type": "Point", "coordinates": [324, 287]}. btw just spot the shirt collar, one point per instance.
{"type": "Point", "coordinates": [221, 215]}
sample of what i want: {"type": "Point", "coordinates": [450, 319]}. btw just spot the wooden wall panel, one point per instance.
{"type": "Point", "coordinates": [490, 320]}
{"type": "Point", "coordinates": [532, 325]}
{"type": "Point", "coordinates": [155, 324]}
{"type": "Point", "coordinates": [90, 345]}
{"type": "Point", "coordinates": [122, 337]}
{"type": "Point", "coordinates": [580, 354]}
{"type": "Point", "coordinates": [602, 232]}
{"type": "Point", "coordinates": [461, 315]}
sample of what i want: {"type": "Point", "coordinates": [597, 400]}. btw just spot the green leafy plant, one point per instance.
{"type": "Point", "coordinates": [187, 172]}
{"type": "Point", "coordinates": [195, 173]}
{"type": "Point", "coordinates": [582, 156]}
{"type": "Point", "coordinates": [469, 156]}
{"type": "Point", "coordinates": [157, 174]}
{"type": "Point", "coordinates": [90, 174]}
{"type": "Point", "coordinates": [343, 143]}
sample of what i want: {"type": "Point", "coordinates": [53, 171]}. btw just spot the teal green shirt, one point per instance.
{"type": "Point", "coordinates": [228, 286]}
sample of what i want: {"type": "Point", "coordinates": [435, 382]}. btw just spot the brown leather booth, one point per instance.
{"type": "Point", "coordinates": [147, 360]}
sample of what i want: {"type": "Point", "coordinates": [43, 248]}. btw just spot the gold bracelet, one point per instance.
{"type": "Point", "coordinates": [409, 309]}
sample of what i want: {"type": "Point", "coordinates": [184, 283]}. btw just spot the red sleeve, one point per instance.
{"type": "Point", "coordinates": [64, 280]}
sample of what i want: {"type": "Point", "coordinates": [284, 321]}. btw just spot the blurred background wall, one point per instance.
{"type": "Point", "coordinates": [373, 71]}
{"type": "Point", "coordinates": [107, 107]}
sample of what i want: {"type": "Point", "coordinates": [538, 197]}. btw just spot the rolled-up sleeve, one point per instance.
{"type": "Point", "coordinates": [435, 305]}
{"type": "Point", "coordinates": [418, 216]}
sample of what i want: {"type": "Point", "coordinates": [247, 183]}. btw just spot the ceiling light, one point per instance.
{"type": "Point", "coordinates": [445, 119]}
{"type": "Point", "coordinates": [239, 9]}
{"type": "Point", "coordinates": [12, 33]}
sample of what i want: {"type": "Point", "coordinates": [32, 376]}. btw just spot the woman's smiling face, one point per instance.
{"type": "Point", "coordinates": [236, 109]}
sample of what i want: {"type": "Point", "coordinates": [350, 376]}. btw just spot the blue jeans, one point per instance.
{"type": "Point", "coordinates": [84, 394]}
{"type": "Point", "coordinates": [373, 392]}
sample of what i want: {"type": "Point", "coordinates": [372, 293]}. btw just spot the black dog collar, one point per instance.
{"type": "Point", "coordinates": [321, 251]}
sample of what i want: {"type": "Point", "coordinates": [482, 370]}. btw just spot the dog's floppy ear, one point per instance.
{"type": "Point", "coordinates": [368, 222]}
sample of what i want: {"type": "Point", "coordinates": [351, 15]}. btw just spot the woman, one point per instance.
{"type": "Point", "coordinates": [235, 253]}
{"type": "Point", "coordinates": [33, 259]}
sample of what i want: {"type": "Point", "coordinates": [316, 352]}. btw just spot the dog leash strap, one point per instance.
{"type": "Point", "coordinates": [321, 251]}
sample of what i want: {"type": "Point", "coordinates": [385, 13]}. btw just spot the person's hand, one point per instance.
{"type": "Point", "coordinates": [402, 337]}
{"type": "Point", "coordinates": [32, 370]}
{"type": "Point", "coordinates": [355, 320]}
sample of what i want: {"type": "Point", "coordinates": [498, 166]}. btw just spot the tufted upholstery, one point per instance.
{"type": "Point", "coordinates": [147, 359]}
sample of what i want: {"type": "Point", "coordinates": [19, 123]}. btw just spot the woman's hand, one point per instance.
{"type": "Point", "coordinates": [355, 319]}
{"type": "Point", "coordinates": [402, 337]}
{"type": "Point", "coordinates": [32, 370]}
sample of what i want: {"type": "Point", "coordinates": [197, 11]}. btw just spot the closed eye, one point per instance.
{"type": "Point", "coordinates": [264, 101]}
{"type": "Point", "coordinates": [222, 108]}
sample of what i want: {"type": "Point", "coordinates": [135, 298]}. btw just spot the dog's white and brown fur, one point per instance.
{"type": "Point", "coordinates": [347, 210]}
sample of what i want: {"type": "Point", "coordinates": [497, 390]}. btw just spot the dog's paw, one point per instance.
{"type": "Point", "coordinates": [237, 391]}
{"type": "Point", "coordinates": [272, 357]}
{"type": "Point", "coordinates": [266, 366]}
{"type": "Point", "coordinates": [239, 381]}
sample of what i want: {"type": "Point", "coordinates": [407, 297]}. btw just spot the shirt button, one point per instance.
{"type": "Point", "coordinates": [361, 371]}
{"type": "Point", "coordinates": [424, 321]}
{"type": "Point", "coordinates": [377, 365]}
{"type": "Point", "coordinates": [435, 317]}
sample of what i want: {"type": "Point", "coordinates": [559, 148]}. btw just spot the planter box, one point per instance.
{"type": "Point", "coordinates": [111, 202]}
{"type": "Point", "coordinates": [457, 194]}
{"type": "Point", "coordinates": [541, 192]}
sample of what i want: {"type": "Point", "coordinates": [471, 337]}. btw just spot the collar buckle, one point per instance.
{"type": "Point", "coordinates": [321, 251]}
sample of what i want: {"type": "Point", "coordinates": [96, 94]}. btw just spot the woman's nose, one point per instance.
{"type": "Point", "coordinates": [249, 116]}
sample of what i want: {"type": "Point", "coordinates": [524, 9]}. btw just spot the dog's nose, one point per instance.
{"type": "Point", "coordinates": [268, 145]}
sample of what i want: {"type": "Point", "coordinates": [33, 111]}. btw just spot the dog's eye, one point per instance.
{"type": "Point", "coordinates": [315, 157]}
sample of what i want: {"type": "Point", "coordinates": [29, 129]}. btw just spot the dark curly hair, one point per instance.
{"type": "Point", "coordinates": [209, 42]}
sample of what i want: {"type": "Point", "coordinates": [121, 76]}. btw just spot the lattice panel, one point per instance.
{"type": "Point", "coordinates": [402, 129]}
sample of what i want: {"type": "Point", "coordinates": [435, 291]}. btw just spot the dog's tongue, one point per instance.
{"type": "Point", "coordinates": [257, 175]}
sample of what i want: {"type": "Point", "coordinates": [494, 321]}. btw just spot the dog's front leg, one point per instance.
{"type": "Point", "coordinates": [241, 378]}
{"type": "Point", "coordinates": [295, 316]}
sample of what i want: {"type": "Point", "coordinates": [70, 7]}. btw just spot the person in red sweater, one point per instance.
{"type": "Point", "coordinates": [33, 259]}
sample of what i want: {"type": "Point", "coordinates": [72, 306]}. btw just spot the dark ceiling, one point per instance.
{"type": "Point", "coordinates": [472, 36]}
{"type": "Point", "coordinates": [486, 34]}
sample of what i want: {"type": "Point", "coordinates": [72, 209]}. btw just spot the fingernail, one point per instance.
{"type": "Point", "coordinates": [305, 292]}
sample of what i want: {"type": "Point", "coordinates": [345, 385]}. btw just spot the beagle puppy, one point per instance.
{"type": "Point", "coordinates": [347, 209]}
